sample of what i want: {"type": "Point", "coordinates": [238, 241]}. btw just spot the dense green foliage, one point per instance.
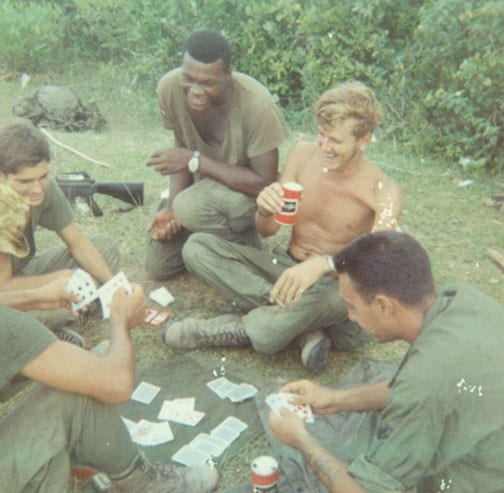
{"type": "Point", "coordinates": [437, 65]}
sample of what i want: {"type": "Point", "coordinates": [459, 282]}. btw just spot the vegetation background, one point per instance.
{"type": "Point", "coordinates": [436, 66]}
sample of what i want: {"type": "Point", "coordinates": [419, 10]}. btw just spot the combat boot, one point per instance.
{"type": "Point", "coordinates": [156, 477]}
{"type": "Point", "coordinates": [315, 348]}
{"type": "Point", "coordinates": [191, 333]}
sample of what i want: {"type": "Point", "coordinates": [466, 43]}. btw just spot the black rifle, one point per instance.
{"type": "Point", "coordinates": [80, 184]}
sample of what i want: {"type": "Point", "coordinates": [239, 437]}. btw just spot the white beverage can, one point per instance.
{"type": "Point", "coordinates": [264, 473]}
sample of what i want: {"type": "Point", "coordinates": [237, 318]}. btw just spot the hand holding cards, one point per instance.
{"type": "Point", "coordinates": [82, 285]}
{"type": "Point", "coordinates": [282, 400]}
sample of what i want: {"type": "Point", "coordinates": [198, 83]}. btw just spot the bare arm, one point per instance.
{"type": "Point", "coordinates": [325, 400]}
{"type": "Point", "coordinates": [50, 296]}
{"type": "Point", "coordinates": [10, 281]}
{"type": "Point", "coordinates": [249, 180]}
{"type": "Point", "coordinates": [270, 200]}
{"type": "Point", "coordinates": [388, 205]}
{"type": "Point", "coordinates": [108, 378]}
{"type": "Point", "coordinates": [85, 252]}
{"type": "Point", "coordinates": [332, 472]}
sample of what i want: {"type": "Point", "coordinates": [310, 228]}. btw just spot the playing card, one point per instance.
{"type": "Point", "coordinates": [210, 445]}
{"type": "Point", "coordinates": [156, 317]}
{"type": "Point", "coordinates": [82, 284]}
{"type": "Point", "coordinates": [145, 392]}
{"type": "Point", "coordinates": [187, 456]}
{"type": "Point", "coordinates": [191, 418]}
{"type": "Point", "coordinates": [177, 408]}
{"type": "Point", "coordinates": [242, 392]}
{"type": "Point", "coordinates": [282, 400]}
{"type": "Point", "coordinates": [222, 387]}
{"type": "Point", "coordinates": [161, 296]}
{"type": "Point", "coordinates": [229, 429]}
{"type": "Point", "coordinates": [147, 433]}
{"type": "Point", "coordinates": [106, 292]}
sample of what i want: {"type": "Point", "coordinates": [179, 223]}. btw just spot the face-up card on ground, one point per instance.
{"type": "Point", "coordinates": [282, 400]}
{"type": "Point", "coordinates": [181, 411]}
{"type": "Point", "coordinates": [82, 284]}
{"type": "Point", "coordinates": [106, 292]}
{"type": "Point", "coordinates": [161, 296]}
{"type": "Point", "coordinates": [209, 445]}
{"type": "Point", "coordinates": [145, 392]}
{"type": "Point", "coordinates": [147, 433]}
{"type": "Point", "coordinates": [187, 456]}
{"type": "Point", "coordinates": [156, 317]}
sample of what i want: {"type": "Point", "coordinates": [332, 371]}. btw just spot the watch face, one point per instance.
{"type": "Point", "coordinates": [193, 163]}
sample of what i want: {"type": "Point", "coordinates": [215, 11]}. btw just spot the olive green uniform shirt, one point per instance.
{"type": "Point", "coordinates": [254, 126]}
{"type": "Point", "coordinates": [442, 428]}
{"type": "Point", "coordinates": [22, 339]}
{"type": "Point", "coordinates": [54, 213]}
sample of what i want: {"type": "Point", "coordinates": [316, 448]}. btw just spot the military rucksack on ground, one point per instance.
{"type": "Point", "coordinates": [58, 108]}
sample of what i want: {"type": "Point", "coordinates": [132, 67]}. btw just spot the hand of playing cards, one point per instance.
{"type": "Point", "coordinates": [82, 284]}
{"type": "Point", "coordinates": [282, 400]}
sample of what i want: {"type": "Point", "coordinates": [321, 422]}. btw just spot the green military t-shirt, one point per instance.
{"type": "Point", "coordinates": [254, 127]}
{"type": "Point", "coordinates": [54, 213]}
{"type": "Point", "coordinates": [22, 338]}
{"type": "Point", "coordinates": [442, 428]}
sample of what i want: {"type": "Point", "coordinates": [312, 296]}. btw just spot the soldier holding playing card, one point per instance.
{"type": "Point", "coordinates": [24, 165]}
{"type": "Point", "coordinates": [437, 424]}
{"type": "Point", "coordinates": [70, 415]}
{"type": "Point", "coordinates": [292, 293]}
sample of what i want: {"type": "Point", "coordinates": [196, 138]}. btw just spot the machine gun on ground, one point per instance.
{"type": "Point", "coordinates": [79, 184]}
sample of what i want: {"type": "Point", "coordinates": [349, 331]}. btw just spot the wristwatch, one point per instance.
{"type": "Point", "coordinates": [193, 163]}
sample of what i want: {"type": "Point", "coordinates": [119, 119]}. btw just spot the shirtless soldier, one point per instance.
{"type": "Point", "coordinates": [294, 292]}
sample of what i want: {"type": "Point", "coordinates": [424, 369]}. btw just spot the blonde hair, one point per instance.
{"type": "Point", "coordinates": [13, 219]}
{"type": "Point", "coordinates": [350, 100]}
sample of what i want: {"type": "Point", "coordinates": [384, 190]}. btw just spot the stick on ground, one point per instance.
{"type": "Point", "coordinates": [75, 151]}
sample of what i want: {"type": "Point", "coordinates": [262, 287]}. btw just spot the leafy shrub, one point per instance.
{"type": "Point", "coordinates": [31, 36]}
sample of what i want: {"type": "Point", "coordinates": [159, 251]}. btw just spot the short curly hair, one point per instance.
{"type": "Point", "coordinates": [350, 100]}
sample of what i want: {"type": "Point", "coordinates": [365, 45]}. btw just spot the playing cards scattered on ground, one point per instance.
{"type": "Point", "coordinates": [148, 433]}
{"type": "Point", "coordinates": [181, 411]}
{"type": "Point", "coordinates": [82, 284]}
{"type": "Point", "coordinates": [232, 391]}
{"type": "Point", "coordinates": [161, 296]}
{"type": "Point", "coordinates": [282, 400]}
{"type": "Point", "coordinates": [207, 446]}
{"type": "Point", "coordinates": [145, 392]}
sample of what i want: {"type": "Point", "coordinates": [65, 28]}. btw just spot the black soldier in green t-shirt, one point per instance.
{"type": "Point", "coordinates": [438, 424]}
{"type": "Point", "coordinates": [227, 131]}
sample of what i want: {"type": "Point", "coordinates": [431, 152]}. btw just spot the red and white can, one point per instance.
{"type": "Point", "coordinates": [292, 193]}
{"type": "Point", "coordinates": [264, 473]}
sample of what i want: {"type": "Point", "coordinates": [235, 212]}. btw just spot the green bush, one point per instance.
{"type": "Point", "coordinates": [31, 35]}
{"type": "Point", "coordinates": [437, 66]}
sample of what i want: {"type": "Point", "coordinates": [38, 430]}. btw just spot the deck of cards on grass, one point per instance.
{"type": "Point", "coordinates": [232, 391]}
{"type": "Point", "coordinates": [207, 446]}
{"type": "Point", "coordinates": [283, 400]}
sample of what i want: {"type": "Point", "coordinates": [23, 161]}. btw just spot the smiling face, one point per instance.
{"type": "Point", "coordinates": [30, 181]}
{"type": "Point", "coordinates": [338, 145]}
{"type": "Point", "coordinates": [204, 84]}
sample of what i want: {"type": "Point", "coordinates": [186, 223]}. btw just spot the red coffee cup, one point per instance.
{"type": "Point", "coordinates": [292, 193]}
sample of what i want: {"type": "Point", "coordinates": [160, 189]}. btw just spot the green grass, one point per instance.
{"type": "Point", "coordinates": [452, 222]}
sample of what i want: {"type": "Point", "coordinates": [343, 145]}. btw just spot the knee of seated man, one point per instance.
{"type": "Point", "coordinates": [264, 342]}
{"type": "Point", "coordinates": [186, 211]}
{"type": "Point", "coordinates": [195, 247]}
